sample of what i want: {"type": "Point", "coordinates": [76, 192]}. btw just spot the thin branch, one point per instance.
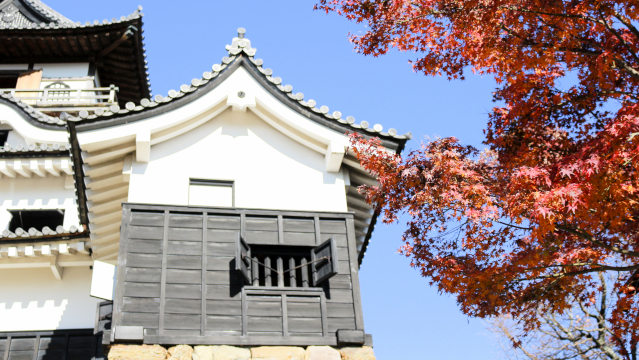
{"type": "Point", "coordinates": [591, 239]}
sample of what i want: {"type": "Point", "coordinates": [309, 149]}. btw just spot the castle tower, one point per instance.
{"type": "Point", "coordinates": [223, 213]}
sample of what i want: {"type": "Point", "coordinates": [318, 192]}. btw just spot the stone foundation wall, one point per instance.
{"type": "Point", "coordinates": [186, 352]}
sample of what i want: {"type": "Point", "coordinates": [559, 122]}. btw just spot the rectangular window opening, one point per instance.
{"type": "Point", "coordinates": [218, 193]}
{"type": "Point", "coordinates": [291, 258]}
{"type": "Point", "coordinates": [38, 219]}
{"type": "Point", "coordinates": [4, 136]}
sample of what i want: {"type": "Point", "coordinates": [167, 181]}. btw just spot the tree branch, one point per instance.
{"type": "Point", "coordinates": [591, 239]}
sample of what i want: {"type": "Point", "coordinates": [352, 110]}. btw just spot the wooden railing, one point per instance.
{"type": "Point", "coordinates": [66, 99]}
{"type": "Point", "coordinates": [281, 271]}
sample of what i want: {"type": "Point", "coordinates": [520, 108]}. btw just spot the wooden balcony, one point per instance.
{"type": "Point", "coordinates": [69, 100]}
{"type": "Point", "coordinates": [193, 275]}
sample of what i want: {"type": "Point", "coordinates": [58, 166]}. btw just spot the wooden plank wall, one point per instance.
{"type": "Point", "coordinates": [45, 345]}
{"type": "Point", "coordinates": [179, 277]}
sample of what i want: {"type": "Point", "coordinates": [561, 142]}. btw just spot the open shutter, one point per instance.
{"type": "Point", "coordinates": [243, 259]}
{"type": "Point", "coordinates": [29, 80]}
{"type": "Point", "coordinates": [325, 262]}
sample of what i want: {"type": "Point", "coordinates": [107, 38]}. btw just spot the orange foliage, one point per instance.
{"type": "Point", "coordinates": [525, 224]}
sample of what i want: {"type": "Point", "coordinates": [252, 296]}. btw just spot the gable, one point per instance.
{"type": "Point", "coordinates": [270, 170]}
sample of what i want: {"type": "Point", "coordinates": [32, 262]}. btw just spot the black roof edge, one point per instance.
{"type": "Point", "coordinates": [28, 117]}
{"type": "Point", "coordinates": [240, 60]}
{"type": "Point", "coordinates": [78, 175]}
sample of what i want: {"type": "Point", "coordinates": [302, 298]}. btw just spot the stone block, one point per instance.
{"type": "Point", "coordinates": [322, 353]}
{"type": "Point", "coordinates": [278, 353]}
{"type": "Point", "coordinates": [357, 353]}
{"type": "Point", "coordinates": [222, 352]}
{"type": "Point", "coordinates": [137, 352]}
{"type": "Point", "coordinates": [180, 352]}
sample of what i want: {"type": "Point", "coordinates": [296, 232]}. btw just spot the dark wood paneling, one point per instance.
{"type": "Point", "coordinates": [185, 248]}
{"type": "Point", "coordinates": [148, 320]}
{"type": "Point", "coordinates": [263, 308]}
{"type": "Point", "coordinates": [216, 235]}
{"type": "Point", "coordinates": [183, 306]}
{"type": "Point", "coordinates": [223, 222]}
{"type": "Point", "coordinates": [261, 237]}
{"type": "Point", "coordinates": [187, 234]}
{"type": "Point", "coordinates": [340, 239]}
{"type": "Point", "coordinates": [146, 232]}
{"type": "Point", "coordinates": [224, 278]}
{"type": "Point", "coordinates": [282, 314]}
{"type": "Point", "coordinates": [335, 324]}
{"type": "Point", "coordinates": [297, 238]}
{"type": "Point", "coordinates": [177, 276]}
{"type": "Point", "coordinates": [144, 260]}
{"type": "Point", "coordinates": [344, 267]}
{"type": "Point", "coordinates": [299, 225]}
{"type": "Point", "coordinates": [301, 309]}
{"type": "Point", "coordinates": [149, 275]}
{"type": "Point", "coordinates": [219, 263]}
{"type": "Point", "coordinates": [220, 249]}
{"type": "Point", "coordinates": [270, 324]}
{"type": "Point", "coordinates": [178, 291]}
{"type": "Point", "coordinates": [336, 310]}
{"type": "Point", "coordinates": [145, 246]}
{"type": "Point", "coordinates": [144, 290]}
{"type": "Point", "coordinates": [261, 223]}
{"type": "Point", "coordinates": [222, 292]}
{"type": "Point", "coordinates": [340, 282]}
{"type": "Point", "coordinates": [146, 305]}
{"type": "Point", "coordinates": [333, 227]}
{"type": "Point", "coordinates": [223, 307]}
{"type": "Point", "coordinates": [184, 262]}
{"type": "Point", "coordinates": [224, 323]}
{"type": "Point", "coordinates": [181, 322]}
{"type": "Point", "coordinates": [147, 219]}
{"type": "Point", "coordinates": [340, 296]}
{"type": "Point", "coordinates": [22, 344]}
{"type": "Point", "coordinates": [305, 325]}
{"type": "Point", "coordinates": [185, 221]}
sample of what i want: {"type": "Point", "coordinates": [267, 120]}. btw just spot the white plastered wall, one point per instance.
{"type": "Point", "coordinates": [37, 193]}
{"type": "Point", "coordinates": [270, 170]}
{"type": "Point", "coordinates": [31, 299]}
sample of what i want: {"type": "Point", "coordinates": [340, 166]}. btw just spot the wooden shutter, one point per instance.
{"type": "Point", "coordinates": [29, 80]}
{"type": "Point", "coordinates": [325, 263]}
{"type": "Point", "coordinates": [243, 259]}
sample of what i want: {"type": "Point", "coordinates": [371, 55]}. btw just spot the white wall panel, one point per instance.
{"type": "Point", "coordinates": [63, 70]}
{"type": "Point", "coordinates": [31, 299]}
{"type": "Point", "coordinates": [270, 170]}
{"type": "Point", "coordinates": [37, 193]}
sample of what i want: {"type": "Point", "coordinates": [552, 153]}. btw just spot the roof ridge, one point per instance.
{"type": "Point", "coordinates": [44, 10]}
{"type": "Point", "coordinates": [62, 22]}
{"type": "Point", "coordinates": [239, 45]}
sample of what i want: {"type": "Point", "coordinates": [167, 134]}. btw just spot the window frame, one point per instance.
{"type": "Point", "coordinates": [211, 182]}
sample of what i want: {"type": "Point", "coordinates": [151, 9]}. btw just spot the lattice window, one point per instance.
{"type": "Point", "coordinates": [57, 92]}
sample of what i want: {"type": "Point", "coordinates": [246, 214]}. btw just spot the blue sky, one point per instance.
{"type": "Point", "coordinates": [310, 50]}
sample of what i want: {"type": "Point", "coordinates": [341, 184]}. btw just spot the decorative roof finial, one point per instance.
{"type": "Point", "coordinates": [240, 44]}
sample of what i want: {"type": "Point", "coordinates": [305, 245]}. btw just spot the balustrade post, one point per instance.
{"type": "Point", "coordinates": [280, 272]}
{"type": "Point", "coordinates": [267, 272]}
{"type": "Point", "coordinates": [292, 278]}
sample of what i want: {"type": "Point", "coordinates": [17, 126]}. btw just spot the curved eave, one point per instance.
{"type": "Point", "coordinates": [78, 46]}
{"type": "Point", "coordinates": [239, 61]}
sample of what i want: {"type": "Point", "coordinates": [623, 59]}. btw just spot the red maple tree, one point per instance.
{"type": "Point", "coordinates": [526, 224]}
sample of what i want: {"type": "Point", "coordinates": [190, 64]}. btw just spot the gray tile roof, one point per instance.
{"type": "Point", "coordinates": [42, 148]}
{"type": "Point", "coordinates": [240, 45]}
{"type": "Point", "coordinates": [34, 233]}
{"type": "Point", "coordinates": [55, 19]}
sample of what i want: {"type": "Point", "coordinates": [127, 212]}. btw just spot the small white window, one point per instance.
{"type": "Point", "coordinates": [211, 193]}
